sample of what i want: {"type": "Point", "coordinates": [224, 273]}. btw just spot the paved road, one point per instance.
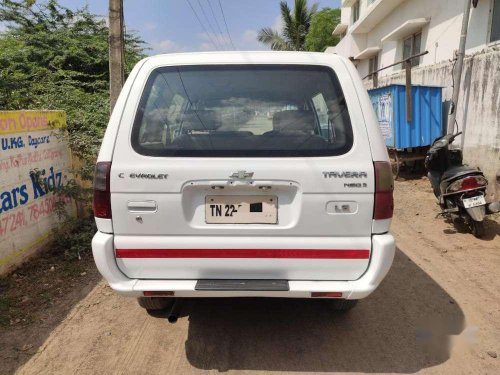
{"type": "Point", "coordinates": [437, 312]}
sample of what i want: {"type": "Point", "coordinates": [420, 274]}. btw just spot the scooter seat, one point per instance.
{"type": "Point", "coordinates": [458, 171]}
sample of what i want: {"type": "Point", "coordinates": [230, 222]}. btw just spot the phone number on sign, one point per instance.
{"type": "Point", "coordinates": [12, 222]}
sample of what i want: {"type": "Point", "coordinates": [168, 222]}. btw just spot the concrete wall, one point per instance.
{"type": "Point", "coordinates": [35, 162]}
{"type": "Point", "coordinates": [478, 111]}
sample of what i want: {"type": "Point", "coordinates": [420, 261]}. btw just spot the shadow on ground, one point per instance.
{"type": "Point", "coordinates": [491, 229]}
{"type": "Point", "coordinates": [40, 295]}
{"type": "Point", "coordinates": [404, 326]}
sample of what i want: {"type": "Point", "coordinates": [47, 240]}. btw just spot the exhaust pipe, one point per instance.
{"type": "Point", "coordinates": [174, 313]}
{"type": "Point", "coordinates": [493, 208]}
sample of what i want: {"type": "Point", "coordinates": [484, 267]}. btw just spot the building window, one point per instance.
{"type": "Point", "coordinates": [372, 69]}
{"type": "Point", "coordinates": [495, 22]}
{"type": "Point", "coordinates": [373, 64]}
{"type": "Point", "coordinates": [411, 46]}
{"type": "Point", "coordinates": [355, 12]}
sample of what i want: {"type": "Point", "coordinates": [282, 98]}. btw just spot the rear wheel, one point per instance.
{"type": "Point", "coordinates": [477, 228]}
{"type": "Point", "coordinates": [343, 304]}
{"type": "Point", "coordinates": [154, 303]}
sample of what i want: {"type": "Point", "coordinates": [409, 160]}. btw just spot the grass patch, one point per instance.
{"type": "Point", "coordinates": [45, 297]}
{"type": "Point", "coordinates": [72, 269]}
{"type": "Point", "coordinates": [4, 320]}
{"type": "Point", "coordinates": [5, 303]}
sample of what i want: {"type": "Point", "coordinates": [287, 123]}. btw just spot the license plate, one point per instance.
{"type": "Point", "coordinates": [241, 209]}
{"type": "Point", "coordinates": [474, 201]}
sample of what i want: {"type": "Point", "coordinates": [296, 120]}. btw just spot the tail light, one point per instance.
{"type": "Point", "coordinates": [467, 184]}
{"type": "Point", "coordinates": [102, 194]}
{"type": "Point", "coordinates": [384, 186]}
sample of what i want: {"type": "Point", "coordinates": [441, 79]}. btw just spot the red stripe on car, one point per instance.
{"type": "Point", "coordinates": [245, 253]}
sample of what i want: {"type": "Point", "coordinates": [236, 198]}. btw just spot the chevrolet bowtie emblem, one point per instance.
{"type": "Point", "coordinates": [242, 174]}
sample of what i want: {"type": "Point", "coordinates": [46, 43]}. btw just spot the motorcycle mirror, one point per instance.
{"type": "Point", "coordinates": [454, 136]}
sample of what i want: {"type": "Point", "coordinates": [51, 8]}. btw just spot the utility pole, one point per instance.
{"type": "Point", "coordinates": [116, 50]}
{"type": "Point", "coordinates": [457, 73]}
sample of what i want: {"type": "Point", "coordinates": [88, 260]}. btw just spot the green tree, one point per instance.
{"type": "Point", "coordinates": [320, 35]}
{"type": "Point", "coordinates": [295, 27]}
{"type": "Point", "coordinates": [54, 58]}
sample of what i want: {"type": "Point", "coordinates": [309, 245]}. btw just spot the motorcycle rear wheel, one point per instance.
{"type": "Point", "coordinates": [477, 228]}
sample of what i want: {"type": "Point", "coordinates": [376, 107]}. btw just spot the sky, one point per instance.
{"type": "Point", "coordinates": [172, 26]}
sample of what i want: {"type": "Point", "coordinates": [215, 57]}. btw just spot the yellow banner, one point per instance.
{"type": "Point", "coordinates": [28, 121]}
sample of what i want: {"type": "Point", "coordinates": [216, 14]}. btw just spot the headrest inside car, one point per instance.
{"type": "Point", "coordinates": [200, 120]}
{"type": "Point", "coordinates": [294, 121]}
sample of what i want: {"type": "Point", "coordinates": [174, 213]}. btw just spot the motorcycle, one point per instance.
{"type": "Point", "coordinates": [460, 189]}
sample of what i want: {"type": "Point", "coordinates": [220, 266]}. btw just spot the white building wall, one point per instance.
{"type": "Point", "coordinates": [345, 16]}
{"type": "Point", "coordinates": [479, 26]}
{"type": "Point", "coordinates": [440, 36]}
{"type": "Point", "coordinates": [362, 67]}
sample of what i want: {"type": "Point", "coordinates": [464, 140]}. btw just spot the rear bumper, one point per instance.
{"type": "Point", "coordinates": [382, 255]}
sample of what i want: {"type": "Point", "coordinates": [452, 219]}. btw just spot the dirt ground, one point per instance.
{"type": "Point", "coordinates": [438, 311]}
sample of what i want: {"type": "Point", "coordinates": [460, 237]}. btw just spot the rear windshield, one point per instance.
{"type": "Point", "coordinates": [243, 110]}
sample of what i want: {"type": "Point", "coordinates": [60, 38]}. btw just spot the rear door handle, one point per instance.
{"type": "Point", "coordinates": [142, 206]}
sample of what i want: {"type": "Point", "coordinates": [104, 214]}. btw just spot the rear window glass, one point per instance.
{"type": "Point", "coordinates": [243, 110]}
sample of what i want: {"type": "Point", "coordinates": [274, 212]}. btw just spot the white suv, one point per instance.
{"type": "Point", "coordinates": [246, 174]}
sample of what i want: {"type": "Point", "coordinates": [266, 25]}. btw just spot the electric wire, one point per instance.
{"type": "Point", "coordinates": [209, 24]}
{"type": "Point", "coordinates": [225, 22]}
{"type": "Point", "coordinates": [217, 23]}
{"type": "Point", "coordinates": [202, 25]}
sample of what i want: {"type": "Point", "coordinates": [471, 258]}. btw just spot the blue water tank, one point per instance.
{"type": "Point", "coordinates": [426, 124]}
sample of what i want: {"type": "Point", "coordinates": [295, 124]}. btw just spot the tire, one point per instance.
{"type": "Point", "coordinates": [154, 303]}
{"type": "Point", "coordinates": [395, 163]}
{"type": "Point", "coordinates": [477, 228]}
{"type": "Point", "coordinates": [343, 305]}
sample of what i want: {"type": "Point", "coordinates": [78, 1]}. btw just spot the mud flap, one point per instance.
{"type": "Point", "coordinates": [477, 213]}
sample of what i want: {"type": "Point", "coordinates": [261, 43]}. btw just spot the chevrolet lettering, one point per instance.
{"type": "Point", "coordinates": [150, 176]}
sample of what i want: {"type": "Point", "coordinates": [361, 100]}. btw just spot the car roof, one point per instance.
{"type": "Point", "coordinates": [244, 57]}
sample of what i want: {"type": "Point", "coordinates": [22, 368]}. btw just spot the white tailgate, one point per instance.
{"type": "Point", "coordinates": [315, 211]}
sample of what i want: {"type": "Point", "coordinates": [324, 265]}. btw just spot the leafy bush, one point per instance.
{"type": "Point", "coordinates": [72, 239]}
{"type": "Point", "coordinates": [53, 58]}
{"type": "Point", "coordinates": [320, 35]}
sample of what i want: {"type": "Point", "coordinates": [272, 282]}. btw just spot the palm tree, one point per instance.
{"type": "Point", "coordinates": [295, 27]}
